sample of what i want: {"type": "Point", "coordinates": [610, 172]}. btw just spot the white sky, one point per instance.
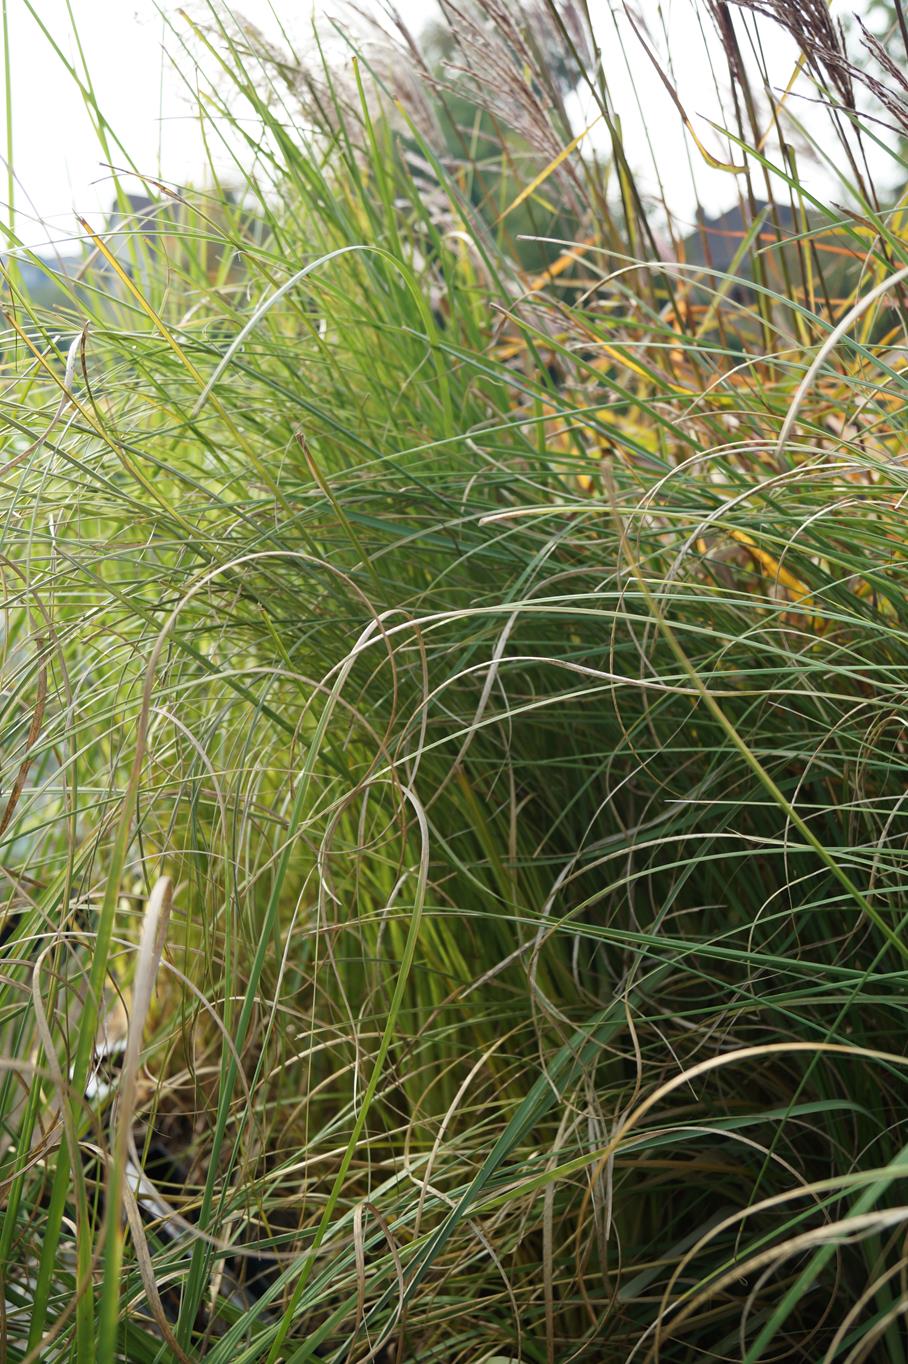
{"type": "Point", "coordinates": [59, 166]}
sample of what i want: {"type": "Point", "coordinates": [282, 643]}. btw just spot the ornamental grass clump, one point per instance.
{"type": "Point", "coordinates": [454, 663]}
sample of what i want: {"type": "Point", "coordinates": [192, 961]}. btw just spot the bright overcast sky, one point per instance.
{"type": "Point", "coordinates": [59, 166]}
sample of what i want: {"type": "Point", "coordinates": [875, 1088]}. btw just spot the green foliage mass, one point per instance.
{"type": "Point", "coordinates": [454, 737]}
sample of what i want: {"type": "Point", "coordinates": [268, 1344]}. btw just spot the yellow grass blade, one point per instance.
{"type": "Point", "coordinates": [550, 168]}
